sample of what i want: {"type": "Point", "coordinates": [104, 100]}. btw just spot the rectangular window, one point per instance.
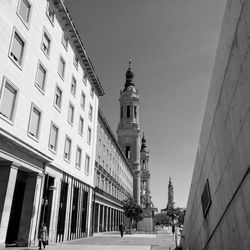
{"type": "Point", "coordinates": [8, 100]}
{"type": "Point", "coordinates": [92, 92]}
{"type": "Point", "coordinates": [50, 12]}
{"type": "Point", "coordinates": [35, 120]}
{"type": "Point", "coordinates": [61, 67]}
{"type": "Point", "coordinates": [41, 76]}
{"type": "Point", "coordinates": [73, 86]}
{"type": "Point", "coordinates": [17, 49]}
{"type": "Point", "coordinates": [87, 164]}
{"type": "Point", "coordinates": [24, 11]}
{"type": "Point", "coordinates": [71, 113]}
{"type": "Point", "coordinates": [67, 148]}
{"type": "Point", "coordinates": [121, 112]}
{"type": "Point", "coordinates": [76, 61]}
{"type": "Point", "coordinates": [98, 181]}
{"type": "Point", "coordinates": [206, 199]}
{"type": "Point", "coordinates": [82, 101]}
{"type": "Point", "coordinates": [90, 112]}
{"type": "Point", "coordinates": [46, 41]}
{"type": "Point", "coordinates": [58, 98]}
{"type": "Point", "coordinates": [128, 111]}
{"type": "Point", "coordinates": [78, 157]}
{"type": "Point", "coordinates": [85, 77]}
{"type": "Point", "coordinates": [89, 135]}
{"type": "Point", "coordinates": [65, 40]}
{"type": "Point", "coordinates": [80, 126]}
{"type": "Point", "coordinates": [53, 137]}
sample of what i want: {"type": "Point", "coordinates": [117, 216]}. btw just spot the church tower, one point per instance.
{"type": "Point", "coordinates": [128, 131]}
{"type": "Point", "coordinates": [170, 204]}
{"type": "Point", "coordinates": [145, 176]}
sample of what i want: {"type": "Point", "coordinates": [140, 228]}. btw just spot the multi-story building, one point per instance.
{"type": "Point", "coordinates": [113, 179]}
{"type": "Point", "coordinates": [48, 123]}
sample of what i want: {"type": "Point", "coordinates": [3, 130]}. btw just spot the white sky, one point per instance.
{"type": "Point", "coordinates": [172, 44]}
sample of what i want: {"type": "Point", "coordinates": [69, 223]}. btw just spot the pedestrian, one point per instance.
{"type": "Point", "coordinates": [173, 229]}
{"type": "Point", "coordinates": [121, 229]}
{"type": "Point", "coordinates": [43, 236]}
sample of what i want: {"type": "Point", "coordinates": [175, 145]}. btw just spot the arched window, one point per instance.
{"type": "Point", "coordinates": [128, 152]}
{"type": "Point", "coordinates": [121, 111]}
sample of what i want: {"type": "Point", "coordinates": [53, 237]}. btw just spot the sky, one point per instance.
{"type": "Point", "coordinates": [172, 44]}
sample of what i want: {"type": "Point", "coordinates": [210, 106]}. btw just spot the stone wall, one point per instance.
{"type": "Point", "coordinates": [223, 154]}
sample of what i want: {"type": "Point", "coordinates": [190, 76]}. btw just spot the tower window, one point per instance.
{"type": "Point", "coordinates": [128, 111]}
{"type": "Point", "coordinates": [135, 112]}
{"type": "Point", "coordinates": [128, 152]}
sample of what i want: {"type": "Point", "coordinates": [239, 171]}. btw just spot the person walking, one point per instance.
{"type": "Point", "coordinates": [121, 229]}
{"type": "Point", "coordinates": [43, 236]}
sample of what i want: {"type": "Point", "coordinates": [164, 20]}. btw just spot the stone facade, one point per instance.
{"type": "Point", "coordinates": [49, 97]}
{"type": "Point", "coordinates": [218, 215]}
{"type": "Point", "coordinates": [113, 179]}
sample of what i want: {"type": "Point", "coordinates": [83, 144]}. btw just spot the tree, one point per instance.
{"type": "Point", "coordinates": [177, 213]}
{"type": "Point", "coordinates": [132, 211]}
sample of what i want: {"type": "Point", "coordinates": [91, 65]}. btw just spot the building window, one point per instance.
{"type": "Point", "coordinates": [128, 152]}
{"type": "Point", "coordinates": [78, 157]}
{"type": "Point", "coordinates": [17, 49]}
{"type": "Point", "coordinates": [128, 111]}
{"type": "Point", "coordinates": [87, 164]}
{"type": "Point", "coordinates": [92, 92]}
{"type": "Point", "coordinates": [41, 76]}
{"type": "Point", "coordinates": [82, 104]}
{"type": "Point", "coordinates": [53, 137]}
{"type": "Point", "coordinates": [67, 148]}
{"type": "Point", "coordinates": [34, 123]}
{"type": "Point", "coordinates": [206, 199]}
{"type": "Point", "coordinates": [24, 11]}
{"type": "Point", "coordinates": [85, 76]}
{"type": "Point", "coordinates": [58, 98]}
{"type": "Point", "coordinates": [71, 113]}
{"type": "Point", "coordinates": [61, 67]}
{"type": "Point", "coordinates": [73, 86]}
{"type": "Point", "coordinates": [80, 126]}
{"type": "Point", "coordinates": [8, 99]}
{"type": "Point", "coordinates": [90, 112]}
{"type": "Point", "coordinates": [46, 42]}
{"type": "Point", "coordinates": [135, 112]}
{"type": "Point", "coordinates": [98, 181]}
{"type": "Point", "coordinates": [50, 12]}
{"type": "Point", "coordinates": [65, 40]}
{"type": "Point", "coordinates": [76, 61]}
{"type": "Point", "coordinates": [89, 135]}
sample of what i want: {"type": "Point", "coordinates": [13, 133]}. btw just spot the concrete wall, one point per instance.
{"type": "Point", "coordinates": [223, 154]}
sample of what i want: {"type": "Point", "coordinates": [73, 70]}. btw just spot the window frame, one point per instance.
{"type": "Point", "coordinates": [87, 156]}
{"type": "Point", "coordinates": [65, 42]}
{"type": "Point", "coordinates": [76, 61]}
{"type": "Point", "coordinates": [80, 132]}
{"type": "Point", "coordinates": [35, 137]}
{"type": "Point", "coordinates": [26, 23]}
{"type": "Point", "coordinates": [57, 136]}
{"type": "Point", "coordinates": [20, 62]}
{"type": "Point", "coordinates": [70, 147]}
{"type": "Point", "coordinates": [64, 69]}
{"type": "Point", "coordinates": [73, 79]}
{"type": "Point", "coordinates": [49, 6]}
{"type": "Point", "coordinates": [85, 77]}
{"type": "Point", "coordinates": [89, 135]}
{"type": "Point", "coordinates": [90, 112]}
{"type": "Point", "coordinates": [83, 106]}
{"type": "Point", "coordinates": [78, 166]}
{"type": "Point", "coordinates": [14, 105]}
{"type": "Point", "coordinates": [71, 122]}
{"type": "Point", "coordinates": [57, 107]}
{"type": "Point", "coordinates": [46, 33]}
{"type": "Point", "coordinates": [45, 78]}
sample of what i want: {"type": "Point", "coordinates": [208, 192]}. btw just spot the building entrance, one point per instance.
{"type": "Point", "coordinates": [16, 210]}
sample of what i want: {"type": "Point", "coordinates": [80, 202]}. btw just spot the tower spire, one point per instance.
{"type": "Point", "coordinates": [129, 77]}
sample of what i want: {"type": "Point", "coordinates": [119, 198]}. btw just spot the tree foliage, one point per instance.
{"type": "Point", "coordinates": [132, 210]}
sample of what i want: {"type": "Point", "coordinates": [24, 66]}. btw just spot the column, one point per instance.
{"type": "Point", "coordinates": [27, 209]}
{"type": "Point", "coordinates": [7, 183]}
{"type": "Point", "coordinates": [98, 218]}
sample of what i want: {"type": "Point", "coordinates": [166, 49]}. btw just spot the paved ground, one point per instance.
{"type": "Point", "coordinates": [112, 241]}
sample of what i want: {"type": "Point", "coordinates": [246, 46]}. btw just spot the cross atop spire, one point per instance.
{"type": "Point", "coordinates": [129, 63]}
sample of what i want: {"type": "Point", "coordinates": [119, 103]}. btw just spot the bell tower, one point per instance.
{"type": "Point", "coordinates": [128, 131]}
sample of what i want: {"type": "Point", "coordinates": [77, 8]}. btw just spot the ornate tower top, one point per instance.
{"type": "Point", "coordinates": [170, 204]}
{"type": "Point", "coordinates": [129, 77]}
{"type": "Point", "coordinates": [143, 143]}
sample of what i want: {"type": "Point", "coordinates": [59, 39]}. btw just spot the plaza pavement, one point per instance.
{"type": "Point", "coordinates": [113, 241]}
